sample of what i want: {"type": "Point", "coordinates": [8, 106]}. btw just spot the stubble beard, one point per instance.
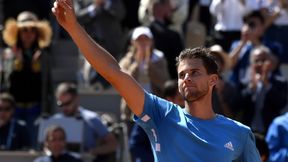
{"type": "Point", "coordinates": [190, 97]}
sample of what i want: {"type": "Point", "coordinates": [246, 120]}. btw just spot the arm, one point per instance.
{"type": "Point", "coordinates": [107, 144]}
{"type": "Point", "coordinates": [99, 58]}
{"type": "Point", "coordinates": [234, 55]}
{"type": "Point", "coordinates": [249, 151]}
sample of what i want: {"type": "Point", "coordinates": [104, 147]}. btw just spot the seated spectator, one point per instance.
{"type": "Point", "coordinates": [55, 147]}
{"type": "Point", "coordinates": [97, 139]}
{"type": "Point", "coordinates": [13, 132]}
{"type": "Point", "coordinates": [277, 139]}
{"type": "Point", "coordinates": [264, 95]}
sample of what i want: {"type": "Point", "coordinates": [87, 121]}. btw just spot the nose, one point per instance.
{"type": "Point", "coordinates": [187, 77]}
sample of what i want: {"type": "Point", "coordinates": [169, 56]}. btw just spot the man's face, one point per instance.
{"type": "Point", "coordinates": [56, 142]}
{"type": "Point", "coordinates": [6, 112]}
{"type": "Point", "coordinates": [260, 62]}
{"type": "Point", "coordinates": [68, 103]}
{"type": "Point", "coordinates": [193, 80]}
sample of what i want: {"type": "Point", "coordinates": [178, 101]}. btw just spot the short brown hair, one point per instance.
{"type": "Point", "coordinates": [66, 88]}
{"type": "Point", "coordinates": [200, 53]}
{"type": "Point", "coordinates": [53, 128]}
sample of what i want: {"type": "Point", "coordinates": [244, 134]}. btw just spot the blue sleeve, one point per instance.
{"type": "Point", "coordinates": [155, 108]}
{"type": "Point", "coordinates": [275, 138]}
{"type": "Point", "coordinates": [99, 128]}
{"type": "Point", "coordinates": [250, 152]}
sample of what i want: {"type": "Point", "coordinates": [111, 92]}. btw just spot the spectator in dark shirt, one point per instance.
{"type": "Point", "coordinates": [13, 133]}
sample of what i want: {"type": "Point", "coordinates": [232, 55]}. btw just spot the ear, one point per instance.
{"type": "Point", "coordinates": [213, 79]}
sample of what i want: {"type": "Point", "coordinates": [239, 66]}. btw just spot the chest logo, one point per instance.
{"type": "Point", "coordinates": [229, 146]}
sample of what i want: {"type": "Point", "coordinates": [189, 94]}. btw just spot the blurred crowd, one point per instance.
{"type": "Point", "coordinates": [247, 37]}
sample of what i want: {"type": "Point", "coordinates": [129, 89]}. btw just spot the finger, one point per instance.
{"type": "Point", "coordinates": [55, 9]}
{"type": "Point", "coordinates": [65, 5]}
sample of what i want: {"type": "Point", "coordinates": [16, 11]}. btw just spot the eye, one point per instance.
{"type": "Point", "coordinates": [181, 75]}
{"type": "Point", "coordinates": [194, 72]}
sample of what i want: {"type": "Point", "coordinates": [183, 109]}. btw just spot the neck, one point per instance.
{"type": "Point", "coordinates": [201, 108]}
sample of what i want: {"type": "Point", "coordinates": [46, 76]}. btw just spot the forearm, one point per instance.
{"type": "Point", "coordinates": [234, 55]}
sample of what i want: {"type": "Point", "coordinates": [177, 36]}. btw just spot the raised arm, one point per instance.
{"type": "Point", "coordinates": [99, 58]}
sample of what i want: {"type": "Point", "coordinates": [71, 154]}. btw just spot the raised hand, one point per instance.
{"type": "Point", "coordinates": [64, 12]}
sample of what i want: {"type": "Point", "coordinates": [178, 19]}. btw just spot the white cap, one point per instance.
{"type": "Point", "coordinates": [141, 31]}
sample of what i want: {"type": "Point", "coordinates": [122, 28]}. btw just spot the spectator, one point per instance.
{"type": "Point", "coordinates": [102, 19]}
{"type": "Point", "coordinates": [228, 24]}
{"type": "Point", "coordinates": [97, 140]}
{"type": "Point", "coordinates": [225, 99]}
{"type": "Point", "coordinates": [165, 39]}
{"type": "Point", "coordinates": [13, 132]}
{"type": "Point", "coordinates": [146, 64]}
{"type": "Point", "coordinates": [277, 139]}
{"type": "Point", "coordinates": [264, 95]}
{"type": "Point", "coordinates": [251, 36]}
{"type": "Point", "coordinates": [178, 15]}
{"type": "Point", "coordinates": [277, 24]}
{"type": "Point", "coordinates": [55, 147]}
{"type": "Point", "coordinates": [24, 64]}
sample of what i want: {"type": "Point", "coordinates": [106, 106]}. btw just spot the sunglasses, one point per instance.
{"type": "Point", "coordinates": [64, 104]}
{"type": "Point", "coordinates": [29, 29]}
{"type": "Point", "coordinates": [5, 109]}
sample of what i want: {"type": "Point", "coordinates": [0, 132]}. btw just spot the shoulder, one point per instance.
{"type": "Point", "coordinates": [157, 56]}
{"type": "Point", "coordinates": [58, 115]}
{"type": "Point", "coordinates": [158, 53]}
{"type": "Point", "coordinates": [281, 120]}
{"type": "Point", "coordinates": [235, 125]}
{"type": "Point", "coordinates": [88, 114]}
{"type": "Point", "coordinates": [280, 78]}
